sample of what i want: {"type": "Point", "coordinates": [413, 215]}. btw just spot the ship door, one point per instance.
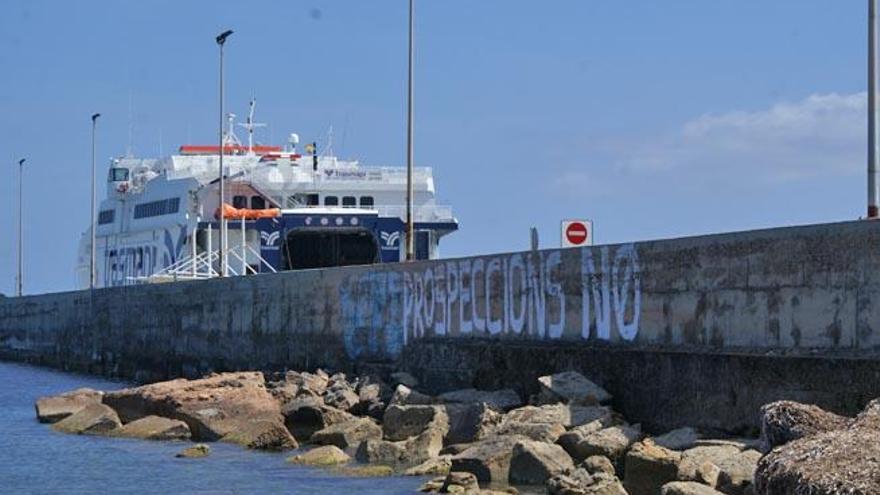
{"type": "Point", "coordinates": [320, 248]}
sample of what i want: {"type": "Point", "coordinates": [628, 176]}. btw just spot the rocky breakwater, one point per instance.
{"type": "Point", "coordinates": [564, 440]}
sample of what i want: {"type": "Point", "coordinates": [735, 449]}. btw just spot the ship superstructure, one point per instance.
{"type": "Point", "coordinates": [285, 210]}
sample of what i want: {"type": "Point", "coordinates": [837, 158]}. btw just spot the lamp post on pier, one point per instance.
{"type": "Point", "coordinates": [221, 40]}
{"type": "Point", "coordinates": [19, 280]}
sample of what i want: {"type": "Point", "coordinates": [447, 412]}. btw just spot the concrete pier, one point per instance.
{"type": "Point", "coordinates": [698, 331]}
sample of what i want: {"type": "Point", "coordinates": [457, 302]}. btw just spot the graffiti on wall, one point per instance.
{"type": "Point", "coordinates": [591, 293]}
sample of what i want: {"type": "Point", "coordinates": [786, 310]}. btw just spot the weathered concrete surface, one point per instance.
{"type": "Point", "coordinates": [718, 323]}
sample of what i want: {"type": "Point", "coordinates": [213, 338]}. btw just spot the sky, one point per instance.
{"type": "Point", "coordinates": [653, 119]}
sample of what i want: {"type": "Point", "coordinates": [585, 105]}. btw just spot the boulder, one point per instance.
{"type": "Point", "coordinates": [341, 396]}
{"type": "Point", "coordinates": [316, 383]}
{"type": "Point", "coordinates": [198, 450]}
{"type": "Point", "coordinates": [836, 462]}
{"type": "Point", "coordinates": [571, 387]}
{"type": "Point", "coordinates": [649, 467]}
{"type": "Point", "coordinates": [405, 396]}
{"type": "Point", "coordinates": [404, 378]}
{"type": "Point", "coordinates": [572, 437]}
{"type": "Point", "coordinates": [57, 407]}
{"type": "Point", "coordinates": [438, 466]}
{"type": "Point", "coordinates": [94, 419]}
{"type": "Point", "coordinates": [361, 471]}
{"type": "Point", "coordinates": [488, 459]}
{"type": "Point", "coordinates": [736, 474]}
{"type": "Point", "coordinates": [687, 488]}
{"type": "Point", "coordinates": [348, 434]}
{"type": "Point", "coordinates": [328, 455]}
{"type": "Point", "coordinates": [409, 452]}
{"type": "Point", "coordinates": [533, 462]}
{"type": "Point", "coordinates": [580, 482]}
{"type": "Point", "coordinates": [567, 415]}
{"type": "Point", "coordinates": [499, 400]}
{"type": "Point", "coordinates": [154, 428]}
{"type": "Point", "coordinates": [610, 442]}
{"type": "Point", "coordinates": [262, 435]}
{"type": "Point", "coordinates": [679, 439]}
{"type": "Point", "coordinates": [469, 422]}
{"type": "Point", "coordinates": [212, 407]}
{"type": "Point", "coordinates": [598, 464]}
{"type": "Point", "coordinates": [731, 467]}
{"type": "Point", "coordinates": [307, 415]}
{"type": "Point", "coordinates": [542, 432]}
{"type": "Point", "coordinates": [784, 421]}
{"type": "Point", "coordinates": [402, 422]}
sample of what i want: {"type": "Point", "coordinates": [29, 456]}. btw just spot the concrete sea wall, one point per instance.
{"type": "Point", "coordinates": [696, 331]}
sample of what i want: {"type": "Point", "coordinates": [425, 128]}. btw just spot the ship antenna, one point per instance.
{"type": "Point", "coordinates": [230, 139]}
{"type": "Point", "coordinates": [328, 150]}
{"type": "Point", "coordinates": [250, 125]}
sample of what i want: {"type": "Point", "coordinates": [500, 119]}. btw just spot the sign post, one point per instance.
{"type": "Point", "coordinates": [577, 233]}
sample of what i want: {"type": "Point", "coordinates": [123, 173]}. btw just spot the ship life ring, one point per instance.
{"type": "Point", "coordinates": [123, 187]}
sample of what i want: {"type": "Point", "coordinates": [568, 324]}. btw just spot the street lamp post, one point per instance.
{"type": "Point", "coordinates": [19, 281]}
{"type": "Point", "coordinates": [92, 274]}
{"type": "Point", "coordinates": [410, 252]}
{"type": "Point", "coordinates": [873, 129]}
{"type": "Point", "coordinates": [221, 40]}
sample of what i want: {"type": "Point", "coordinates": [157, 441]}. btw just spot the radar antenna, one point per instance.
{"type": "Point", "coordinates": [250, 125]}
{"type": "Point", "coordinates": [230, 139]}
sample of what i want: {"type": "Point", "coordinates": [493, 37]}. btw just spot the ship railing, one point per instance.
{"type": "Point", "coordinates": [421, 213]}
{"type": "Point", "coordinates": [202, 266]}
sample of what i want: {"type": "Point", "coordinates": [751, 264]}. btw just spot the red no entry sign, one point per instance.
{"type": "Point", "coordinates": [577, 233]}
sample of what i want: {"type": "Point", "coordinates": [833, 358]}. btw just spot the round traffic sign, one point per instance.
{"type": "Point", "coordinates": [576, 233]}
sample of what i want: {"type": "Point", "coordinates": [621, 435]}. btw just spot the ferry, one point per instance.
{"type": "Point", "coordinates": [284, 210]}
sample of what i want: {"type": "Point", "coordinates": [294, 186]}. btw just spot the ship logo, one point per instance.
{"type": "Point", "coordinates": [270, 239]}
{"type": "Point", "coordinates": [390, 239]}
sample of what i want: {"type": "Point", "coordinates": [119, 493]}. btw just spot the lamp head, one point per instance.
{"type": "Point", "coordinates": [95, 116]}
{"type": "Point", "coordinates": [21, 162]}
{"type": "Point", "coordinates": [221, 38]}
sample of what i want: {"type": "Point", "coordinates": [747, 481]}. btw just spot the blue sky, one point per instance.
{"type": "Point", "coordinates": [656, 119]}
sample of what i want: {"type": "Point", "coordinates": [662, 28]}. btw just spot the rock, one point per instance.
{"type": "Point", "coordinates": [649, 467]}
{"type": "Point", "coordinates": [307, 415]}
{"type": "Point", "coordinates": [707, 473]}
{"type": "Point", "coordinates": [735, 467]}
{"type": "Point", "coordinates": [316, 383]}
{"type": "Point", "coordinates": [57, 407]}
{"type": "Point", "coordinates": [328, 455]}
{"type": "Point", "coordinates": [154, 428]}
{"type": "Point", "coordinates": [499, 400]}
{"type": "Point", "coordinates": [198, 450]}
{"type": "Point", "coordinates": [262, 435]}
{"type": "Point", "coordinates": [469, 422]}
{"type": "Point", "coordinates": [737, 473]}
{"type": "Point", "coordinates": [94, 419]}
{"type": "Point", "coordinates": [454, 449]}
{"type": "Point", "coordinates": [869, 417]}
{"type": "Point", "coordinates": [533, 462]}
{"type": "Point", "coordinates": [460, 482]}
{"type": "Point", "coordinates": [541, 432]}
{"type": "Point", "coordinates": [404, 378]}
{"type": "Point", "coordinates": [212, 407]}
{"type": "Point", "coordinates": [784, 421]}
{"type": "Point", "coordinates": [433, 485]}
{"type": "Point", "coordinates": [582, 483]}
{"type": "Point", "coordinates": [438, 466]}
{"type": "Point", "coordinates": [414, 450]}
{"type": "Point", "coordinates": [341, 396]}
{"type": "Point", "coordinates": [566, 415]}
{"type": "Point", "coordinates": [375, 471]}
{"type": "Point", "coordinates": [370, 401]}
{"type": "Point", "coordinates": [740, 443]}
{"type": "Point", "coordinates": [679, 439]}
{"type": "Point", "coordinates": [572, 437]}
{"type": "Point", "coordinates": [835, 462]}
{"type": "Point", "coordinates": [687, 488]}
{"type": "Point", "coordinates": [402, 422]}
{"type": "Point", "coordinates": [598, 464]}
{"type": "Point", "coordinates": [488, 459]}
{"type": "Point", "coordinates": [610, 442]}
{"type": "Point", "coordinates": [405, 396]}
{"type": "Point", "coordinates": [348, 434]}
{"type": "Point", "coordinates": [571, 387]}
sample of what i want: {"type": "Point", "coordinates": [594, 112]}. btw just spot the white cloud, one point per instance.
{"type": "Point", "coordinates": [818, 136]}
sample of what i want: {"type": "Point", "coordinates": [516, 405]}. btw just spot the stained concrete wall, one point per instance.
{"type": "Point", "coordinates": [705, 328]}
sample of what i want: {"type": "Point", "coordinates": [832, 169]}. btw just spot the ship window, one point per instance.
{"type": "Point", "coordinates": [292, 202]}
{"type": "Point", "coordinates": [366, 202]}
{"type": "Point", "coordinates": [118, 175]}
{"type": "Point", "coordinates": [106, 216]}
{"type": "Point", "coordinates": [312, 200]}
{"type": "Point", "coordinates": [258, 203]}
{"type": "Point", "coordinates": [349, 202]}
{"type": "Point", "coordinates": [239, 201]}
{"type": "Point", "coordinates": [157, 208]}
{"type": "Point", "coordinates": [331, 201]}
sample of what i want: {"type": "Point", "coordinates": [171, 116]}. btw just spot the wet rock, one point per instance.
{"type": "Point", "coordinates": [566, 415]}
{"type": "Point", "coordinates": [198, 450]}
{"type": "Point", "coordinates": [572, 388]}
{"type": "Point", "coordinates": [679, 439]}
{"type": "Point", "coordinates": [458, 482]}
{"type": "Point", "coordinates": [154, 428]}
{"type": "Point", "coordinates": [533, 462]}
{"type": "Point", "coordinates": [488, 459]}
{"type": "Point", "coordinates": [541, 432]}
{"type": "Point", "coordinates": [402, 422]}
{"type": "Point", "coordinates": [405, 396]}
{"type": "Point", "coordinates": [610, 442]}
{"type": "Point", "coordinates": [262, 435]}
{"type": "Point", "coordinates": [470, 422]}
{"type": "Point", "coordinates": [404, 378]}
{"type": "Point", "coordinates": [374, 471]}
{"type": "Point", "coordinates": [438, 466]}
{"type": "Point", "coordinates": [307, 415]}
{"type": "Point", "coordinates": [784, 421]}
{"type": "Point", "coordinates": [580, 482]}
{"type": "Point", "coordinates": [212, 407]}
{"type": "Point", "coordinates": [687, 488]}
{"type": "Point", "coordinates": [94, 419]}
{"type": "Point", "coordinates": [57, 407]}
{"type": "Point", "coordinates": [598, 464]}
{"type": "Point", "coordinates": [499, 400]}
{"type": "Point", "coordinates": [348, 434]}
{"type": "Point", "coordinates": [328, 455]}
{"type": "Point", "coordinates": [649, 467]}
